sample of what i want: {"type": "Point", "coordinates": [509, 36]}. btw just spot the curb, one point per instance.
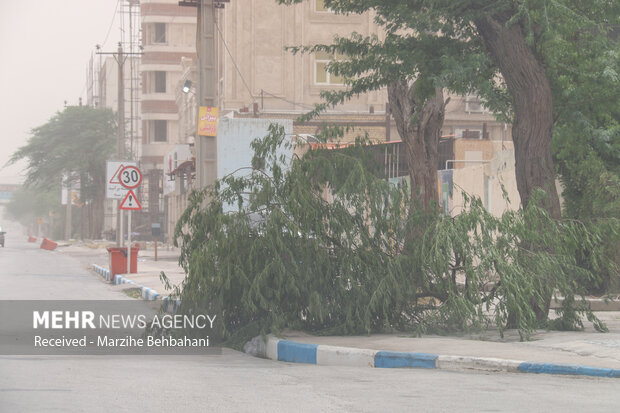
{"type": "Point", "coordinates": [319, 354]}
{"type": "Point", "coordinates": [168, 302]}
{"type": "Point", "coordinates": [119, 279]}
{"type": "Point", "coordinates": [104, 272]}
{"type": "Point", "coordinates": [146, 293]}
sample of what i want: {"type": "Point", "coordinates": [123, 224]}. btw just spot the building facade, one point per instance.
{"type": "Point", "coordinates": [257, 77]}
{"type": "Point", "coordinates": [168, 37]}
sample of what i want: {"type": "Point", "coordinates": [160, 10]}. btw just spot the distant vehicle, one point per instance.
{"type": "Point", "coordinates": [2, 237]}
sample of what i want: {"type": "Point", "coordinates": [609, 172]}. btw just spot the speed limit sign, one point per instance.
{"type": "Point", "coordinates": [130, 177]}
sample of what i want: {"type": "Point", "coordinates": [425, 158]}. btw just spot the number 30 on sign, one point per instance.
{"type": "Point", "coordinates": [130, 177]}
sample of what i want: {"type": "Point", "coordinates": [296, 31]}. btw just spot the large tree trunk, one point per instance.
{"type": "Point", "coordinates": [532, 127]}
{"type": "Point", "coordinates": [419, 125]}
{"type": "Point", "coordinates": [529, 87]}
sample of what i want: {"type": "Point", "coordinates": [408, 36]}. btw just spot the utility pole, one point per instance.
{"type": "Point", "coordinates": [206, 146]}
{"type": "Point", "coordinates": [120, 142]}
{"type": "Point", "coordinates": [120, 58]}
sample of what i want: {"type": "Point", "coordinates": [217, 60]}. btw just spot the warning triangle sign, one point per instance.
{"type": "Point", "coordinates": [131, 202]}
{"type": "Point", "coordinates": [115, 178]}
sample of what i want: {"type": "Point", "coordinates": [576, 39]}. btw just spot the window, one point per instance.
{"type": "Point", "coordinates": [160, 82]}
{"type": "Point", "coordinates": [160, 33]}
{"type": "Point", "coordinates": [321, 74]}
{"type": "Point", "coordinates": [160, 131]}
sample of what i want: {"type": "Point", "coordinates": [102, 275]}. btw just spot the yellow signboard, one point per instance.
{"type": "Point", "coordinates": [207, 121]}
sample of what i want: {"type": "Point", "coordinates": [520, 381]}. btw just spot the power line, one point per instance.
{"type": "Point", "coordinates": [233, 60]}
{"type": "Point", "coordinates": [111, 23]}
{"type": "Point", "coordinates": [302, 105]}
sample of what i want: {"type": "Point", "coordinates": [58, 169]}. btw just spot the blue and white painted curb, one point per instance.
{"type": "Point", "coordinates": [293, 352]}
{"type": "Point", "coordinates": [149, 294]}
{"type": "Point", "coordinates": [171, 305]}
{"type": "Point", "coordinates": [146, 293]}
{"type": "Point", "coordinates": [119, 279]}
{"type": "Point", "coordinates": [104, 272]}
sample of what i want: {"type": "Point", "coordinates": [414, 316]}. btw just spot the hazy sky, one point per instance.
{"type": "Point", "coordinates": [45, 47]}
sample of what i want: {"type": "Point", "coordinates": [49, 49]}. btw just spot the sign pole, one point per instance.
{"type": "Point", "coordinates": [121, 230]}
{"type": "Point", "coordinates": [130, 177]}
{"type": "Point", "coordinates": [129, 241]}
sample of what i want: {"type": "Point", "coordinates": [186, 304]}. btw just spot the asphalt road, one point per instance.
{"type": "Point", "coordinates": [238, 383]}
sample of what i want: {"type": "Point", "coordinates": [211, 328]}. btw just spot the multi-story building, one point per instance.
{"type": "Point", "coordinates": [168, 36]}
{"type": "Point", "coordinates": [257, 77]}
{"type": "Point", "coordinates": [255, 68]}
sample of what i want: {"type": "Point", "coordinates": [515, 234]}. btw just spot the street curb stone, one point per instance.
{"type": "Point", "coordinates": [146, 293]}
{"type": "Point", "coordinates": [319, 354]}
{"type": "Point", "coordinates": [149, 294]}
{"type": "Point", "coordinates": [104, 272]}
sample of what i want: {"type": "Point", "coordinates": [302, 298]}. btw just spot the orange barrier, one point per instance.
{"type": "Point", "coordinates": [32, 239]}
{"type": "Point", "coordinates": [48, 244]}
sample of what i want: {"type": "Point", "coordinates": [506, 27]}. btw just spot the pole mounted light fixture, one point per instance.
{"type": "Point", "coordinates": [187, 86]}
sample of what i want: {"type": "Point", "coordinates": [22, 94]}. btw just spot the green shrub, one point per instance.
{"type": "Point", "coordinates": [326, 245]}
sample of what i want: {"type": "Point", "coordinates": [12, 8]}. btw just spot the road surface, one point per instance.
{"type": "Point", "coordinates": [236, 382]}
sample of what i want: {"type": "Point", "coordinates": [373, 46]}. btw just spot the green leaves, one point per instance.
{"type": "Point", "coordinates": [323, 248]}
{"type": "Point", "coordinates": [74, 143]}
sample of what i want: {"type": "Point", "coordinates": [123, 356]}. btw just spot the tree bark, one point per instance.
{"type": "Point", "coordinates": [525, 76]}
{"type": "Point", "coordinates": [419, 125]}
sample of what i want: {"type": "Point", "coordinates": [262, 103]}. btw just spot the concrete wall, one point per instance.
{"type": "Point", "coordinates": [485, 180]}
{"type": "Point", "coordinates": [166, 56]}
{"type": "Point", "coordinates": [234, 137]}
{"type": "Point", "coordinates": [256, 33]}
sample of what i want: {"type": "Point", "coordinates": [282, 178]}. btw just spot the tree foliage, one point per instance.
{"type": "Point", "coordinates": [73, 144]}
{"type": "Point", "coordinates": [317, 244]}
{"type": "Point", "coordinates": [516, 54]}
{"type": "Point", "coordinates": [534, 63]}
{"type": "Point", "coordinates": [322, 243]}
{"type": "Point", "coordinates": [30, 203]}
{"type": "Point", "coordinates": [586, 140]}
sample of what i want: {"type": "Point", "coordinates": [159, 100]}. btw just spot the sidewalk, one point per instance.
{"type": "Point", "coordinates": [553, 352]}
{"type": "Point", "coordinates": [147, 277]}
{"type": "Point", "coordinates": [575, 353]}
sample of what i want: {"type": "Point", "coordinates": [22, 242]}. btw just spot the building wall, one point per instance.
{"type": "Point", "coordinates": [163, 55]}
{"type": "Point", "coordinates": [168, 36]}
{"type": "Point", "coordinates": [256, 72]}
{"type": "Point", "coordinates": [493, 182]}
{"type": "Point", "coordinates": [234, 153]}
{"type": "Point", "coordinates": [256, 33]}
{"type": "Point", "coordinates": [261, 71]}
